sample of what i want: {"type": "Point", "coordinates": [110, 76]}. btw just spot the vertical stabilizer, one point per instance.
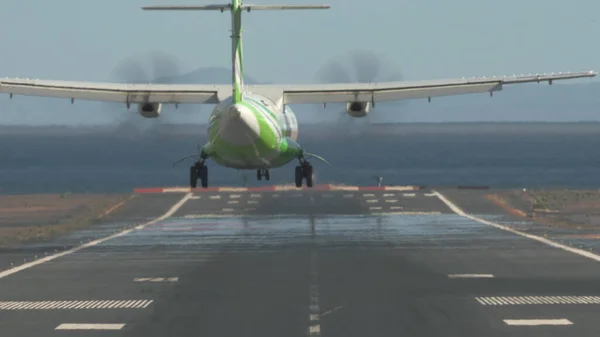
{"type": "Point", "coordinates": [236, 8]}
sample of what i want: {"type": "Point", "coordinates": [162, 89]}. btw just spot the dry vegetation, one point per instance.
{"type": "Point", "coordinates": [562, 208]}
{"type": "Point", "coordinates": [34, 217]}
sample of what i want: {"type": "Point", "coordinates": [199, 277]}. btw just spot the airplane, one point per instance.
{"type": "Point", "coordinates": [252, 126]}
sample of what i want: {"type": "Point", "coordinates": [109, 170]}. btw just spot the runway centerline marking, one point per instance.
{"type": "Point", "coordinates": [551, 243]}
{"type": "Point", "coordinates": [233, 202]}
{"type": "Point", "coordinates": [372, 201]}
{"type": "Point", "coordinates": [215, 197]}
{"type": "Point", "coordinates": [235, 196]}
{"type": "Point", "coordinates": [543, 300]}
{"type": "Point", "coordinates": [156, 279]}
{"type": "Point", "coordinates": [49, 258]}
{"type": "Point", "coordinates": [394, 200]}
{"type": "Point", "coordinates": [95, 326]}
{"type": "Point", "coordinates": [408, 194]}
{"type": "Point", "coordinates": [368, 195]}
{"type": "Point", "coordinates": [535, 322]}
{"type": "Point", "coordinates": [470, 275]}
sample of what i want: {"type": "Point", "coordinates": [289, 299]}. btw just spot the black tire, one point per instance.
{"type": "Point", "coordinates": [267, 175]}
{"type": "Point", "coordinates": [299, 176]}
{"type": "Point", "coordinates": [193, 177]}
{"type": "Point", "coordinates": [204, 176]}
{"type": "Point", "coordinates": [258, 175]}
{"type": "Point", "coordinates": [308, 175]}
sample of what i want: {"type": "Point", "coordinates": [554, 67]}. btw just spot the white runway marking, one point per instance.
{"type": "Point", "coordinates": [388, 194]}
{"type": "Point", "coordinates": [372, 201]}
{"type": "Point", "coordinates": [314, 317]}
{"type": "Point", "coordinates": [470, 275]}
{"type": "Point", "coordinates": [233, 202]}
{"type": "Point", "coordinates": [521, 300]}
{"type": "Point", "coordinates": [374, 207]}
{"type": "Point", "coordinates": [254, 195]}
{"type": "Point", "coordinates": [391, 201]}
{"type": "Point", "coordinates": [215, 197]}
{"type": "Point", "coordinates": [195, 197]}
{"type": "Point", "coordinates": [156, 279]}
{"type": "Point", "coordinates": [235, 196]}
{"type": "Point", "coordinates": [395, 207]}
{"type": "Point", "coordinates": [24, 266]}
{"type": "Point", "coordinates": [227, 209]}
{"type": "Point", "coordinates": [368, 195]}
{"type": "Point", "coordinates": [252, 202]}
{"type": "Point", "coordinates": [551, 243]}
{"type": "Point", "coordinates": [430, 194]}
{"type": "Point", "coordinates": [408, 194]}
{"type": "Point", "coordinates": [530, 322]}
{"type": "Point", "coordinates": [66, 305]}
{"type": "Point", "coordinates": [79, 326]}
{"type": "Point", "coordinates": [314, 309]}
{"type": "Point", "coordinates": [314, 329]}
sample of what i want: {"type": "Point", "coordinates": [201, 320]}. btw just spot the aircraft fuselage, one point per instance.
{"type": "Point", "coordinates": [255, 133]}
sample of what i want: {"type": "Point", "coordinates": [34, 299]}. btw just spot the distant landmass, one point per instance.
{"type": "Point", "coordinates": [560, 102]}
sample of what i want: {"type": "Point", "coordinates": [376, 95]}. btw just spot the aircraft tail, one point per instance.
{"type": "Point", "coordinates": [236, 8]}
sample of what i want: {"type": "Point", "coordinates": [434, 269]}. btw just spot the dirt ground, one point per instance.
{"type": "Point", "coordinates": [574, 209]}
{"type": "Point", "coordinates": [26, 218]}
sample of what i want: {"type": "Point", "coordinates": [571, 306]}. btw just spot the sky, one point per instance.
{"type": "Point", "coordinates": [425, 39]}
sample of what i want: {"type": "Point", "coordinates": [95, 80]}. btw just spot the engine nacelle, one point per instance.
{"type": "Point", "coordinates": [149, 110]}
{"type": "Point", "coordinates": [358, 109]}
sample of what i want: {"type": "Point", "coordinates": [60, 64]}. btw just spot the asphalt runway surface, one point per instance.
{"type": "Point", "coordinates": [303, 263]}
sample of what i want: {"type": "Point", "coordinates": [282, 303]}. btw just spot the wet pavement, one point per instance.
{"type": "Point", "coordinates": [318, 263]}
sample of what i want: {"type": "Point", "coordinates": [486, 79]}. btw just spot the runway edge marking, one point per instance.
{"type": "Point", "coordinates": [551, 243]}
{"type": "Point", "coordinates": [49, 258]}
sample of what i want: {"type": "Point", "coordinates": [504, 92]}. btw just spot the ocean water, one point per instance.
{"type": "Point", "coordinates": [499, 155]}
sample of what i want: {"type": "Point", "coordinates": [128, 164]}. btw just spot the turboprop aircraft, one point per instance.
{"type": "Point", "coordinates": [252, 126]}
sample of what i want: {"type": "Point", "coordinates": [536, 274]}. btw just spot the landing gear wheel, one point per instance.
{"type": "Point", "coordinates": [267, 175]}
{"type": "Point", "coordinates": [198, 171]}
{"type": "Point", "coordinates": [308, 175]}
{"type": "Point", "coordinates": [193, 176]}
{"type": "Point", "coordinates": [258, 174]}
{"type": "Point", "coordinates": [299, 176]}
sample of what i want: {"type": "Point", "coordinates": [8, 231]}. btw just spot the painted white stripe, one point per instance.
{"type": "Point", "coordinates": [252, 202]}
{"type": "Point", "coordinates": [195, 197]}
{"type": "Point", "coordinates": [399, 188]}
{"type": "Point", "coordinates": [314, 329]}
{"type": "Point", "coordinates": [314, 317]}
{"type": "Point", "coordinates": [551, 243]}
{"type": "Point", "coordinates": [408, 194]}
{"type": "Point", "coordinates": [215, 197]}
{"type": "Point", "coordinates": [388, 194]}
{"type": "Point", "coordinates": [374, 207]}
{"type": "Point", "coordinates": [539, 300]}
{"type": "Point", "coordinates": [535, 322]}
{"type": "Point", "coordinates": [233, 202]}
{"type": "Point", "coordinates": [395, 207]}
{"type": "Point", "coordinates": [80, 326]}
{"type": "Point", "coordinates": [235, 196]}
{"type": "Point", "coordinates": [156, 279]}
{"type": "Point", "coordinates": [43, 260]}
{"type": "Point", "coordinates": [227, 209]}
{"type": "Point", "coordinates": [77, 305]}
{"type": "Point", "coordinates": [372, 201]}
{"type": "Point", "coordinates": [368, 195]}
{"type": "Point", "coordinates": [391, 201]}
{"type": "Point", "coordinates": [430, 194]}
{"type": "Point", "coordinates": [470, 275]}
{"type": "Point", "coordinates": [254, 195]}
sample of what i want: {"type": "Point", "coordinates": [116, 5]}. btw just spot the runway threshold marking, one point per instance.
{"type": "Point", "coordinates": [522, 300]}
{"type": "Point", "coordinates": [95, 326]}
{"type": "Point", "coordinates": [69, 305]}
{"type": "Point", "coordinates": [534, 322]}
{"type": "Point", "coordinates": [49, 258]}
{"type": "Point", "coordinates": [470, 275]}
{"type": "Point", "coordinates": [551, 243]}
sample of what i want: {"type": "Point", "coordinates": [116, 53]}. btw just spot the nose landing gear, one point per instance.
{"type": "Point", "coordinates": [199, 171]}
{"type": "Point", "coordinates": [263, 173]}
{"type": "Point", "coordinates": [304, 171]}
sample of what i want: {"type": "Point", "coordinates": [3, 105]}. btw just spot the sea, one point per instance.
{"type": "Point", "coordinates": [117, 160]}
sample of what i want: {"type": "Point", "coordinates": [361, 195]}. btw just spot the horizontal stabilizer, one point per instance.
{"type": "Point", "coordinates": [281, 7]}
{"type": "Point", "coordinates": [214, 7]}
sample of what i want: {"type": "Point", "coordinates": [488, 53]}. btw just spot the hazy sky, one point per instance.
{"type": "Point", "coordinates": [426, 39]}
{"type": "Point", "coordinates": [84, 40]}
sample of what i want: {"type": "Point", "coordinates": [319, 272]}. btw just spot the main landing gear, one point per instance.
{"type": "Point", "coordinates": [199, 172]}
{"type": "Point", "coordinates": [263, 173]}
{"type": "Point", "coordinates": [304, 171]}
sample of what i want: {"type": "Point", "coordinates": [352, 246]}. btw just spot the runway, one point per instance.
{"type": "Point", "coordinates": [334, 263]}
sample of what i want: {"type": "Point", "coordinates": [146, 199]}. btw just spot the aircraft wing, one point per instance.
{"type": "Point", "coordinates": [392, 91]}
{"type": "Point", "coordinates": [118, 92]}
